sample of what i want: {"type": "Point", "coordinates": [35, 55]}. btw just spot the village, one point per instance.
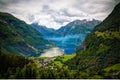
{"type": "Point", "coordinates": [45, 62]}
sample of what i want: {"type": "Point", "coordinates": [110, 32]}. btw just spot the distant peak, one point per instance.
{"type": "Point", "coordinates": [79, 22]}
{"type": "Point", "coordinates": [37, 24]}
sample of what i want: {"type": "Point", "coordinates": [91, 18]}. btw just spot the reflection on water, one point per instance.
{"type": "Point", "coordinates": [68, 43]}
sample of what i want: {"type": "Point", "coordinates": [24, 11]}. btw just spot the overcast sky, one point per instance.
{"type": "Point", "coordinates": [56, 13]}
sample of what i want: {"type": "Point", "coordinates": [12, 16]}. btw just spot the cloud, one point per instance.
{"type": "Point", "coordinates": [52, 52]}
{"type": "Point", "coordinates": [98, 9]}
{"type": "Point", "coordinates": [56, 13]}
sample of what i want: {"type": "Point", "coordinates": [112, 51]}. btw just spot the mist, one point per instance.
{"type": "Point", "coordinates": [68, 43]}
{"type": "Point", "coordinates": [52, 52]}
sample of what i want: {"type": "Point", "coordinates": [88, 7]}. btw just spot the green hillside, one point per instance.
{"type": "Point", "coordinates": [102, 48]}
{"type": "Point", "coordinates": [18, 37]}
{"type": "Point", "coordinates": [60, 60]}
{"type": "Point", "coordinates": [111, 23]}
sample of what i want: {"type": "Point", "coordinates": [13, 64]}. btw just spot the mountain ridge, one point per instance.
{"type": "Point", "coordinates": [16, 37]}
{"type": "Point", "coordinates": [44, 30]}
{"type": "Point", "coordinates": [78, 26]}
{"type": "Point", "coordinates": [70, 28]}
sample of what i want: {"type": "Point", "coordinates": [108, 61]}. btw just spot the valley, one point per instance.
{"type": "Point", "coordinates": [81, 49]}
{"type": "Point", "coordinates": [68, 37]}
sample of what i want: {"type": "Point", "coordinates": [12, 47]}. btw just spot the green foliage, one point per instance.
{"type": "Point", "coordinates": [58, 63]}
{"type": "Point", "coordinates": [9, 63]}
{"type": "Point", "coordinates": [103, 48]}
{"type": "Point", "coordinates": [60, 60]}
{"type": "Point", "coordinates": [114, 67]}
{"type": "Point", "coordinates": [108, 35]}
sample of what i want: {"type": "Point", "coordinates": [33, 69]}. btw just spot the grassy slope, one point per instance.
{"type": "Point", "coordinates": [60, 60]}
{"type": "Point", "coordinates": [113, 67]}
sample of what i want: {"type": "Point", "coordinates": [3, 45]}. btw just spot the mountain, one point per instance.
{"type": "Point", "coordinates": [68, 37]}
{"type": "Point", "coordinates": [101, 55]}
{"type": "Point", "coordinates": [19, 38]}
{"type": "Point", "coordinates": [78, 27]}
{"type": "Point", "coordinates": [75, 27]}
{"type": "Point", "coordinates": [44, 30]}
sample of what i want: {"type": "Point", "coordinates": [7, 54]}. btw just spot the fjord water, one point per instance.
{"type": "Point", "coordinates": [68, 43]}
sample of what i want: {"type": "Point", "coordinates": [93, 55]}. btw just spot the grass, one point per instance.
{"type": "Point", "coordinates": [60, 60]}
{"type": "Point", "coordinates": [68, 57]}
{"type": "Point", "coordinates": [109, 35]}
{"type": "Point", "coordinates": [42, 58]}
{"type": "Point", "coordinates": [114, 67]}
{"type": "Point", "coordinates": [58, 63]}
